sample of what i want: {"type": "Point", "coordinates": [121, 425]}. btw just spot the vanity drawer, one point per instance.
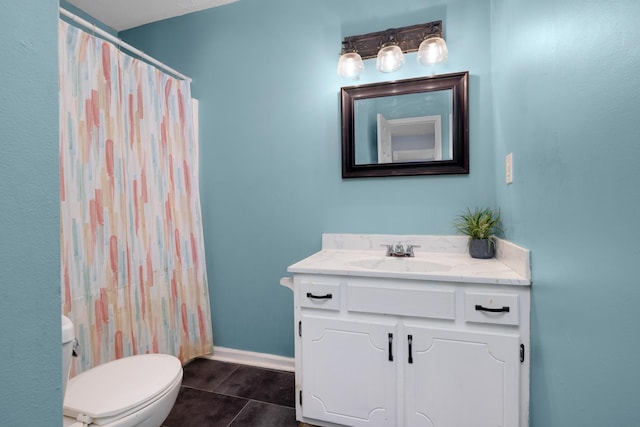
{"type": "Point", "coordinates": [319, 294]}
{"type": "Point", "coordinates": [437, 304]}
{"type": "Point", "coordinates": [494, 308]}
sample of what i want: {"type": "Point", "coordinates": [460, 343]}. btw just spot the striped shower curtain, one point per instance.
{"type": "Point", "coordinates": [132, 251]}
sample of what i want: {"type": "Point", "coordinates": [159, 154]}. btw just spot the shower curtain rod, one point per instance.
{"type": "Point", "coordinates": [121, 43]}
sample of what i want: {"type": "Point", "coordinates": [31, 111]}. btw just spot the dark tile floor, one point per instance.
{"type": "Point", "coordinates": [220, 394]}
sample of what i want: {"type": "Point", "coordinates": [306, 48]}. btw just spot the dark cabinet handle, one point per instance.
{"type": "Point", "coordinates": [327, 296]}
{"type": "Point", "coordinates": [492, 310]}
{"type": "Point", "coordinates": [410, 340]}
{"type": "Point", "coordinates": [390, 347]}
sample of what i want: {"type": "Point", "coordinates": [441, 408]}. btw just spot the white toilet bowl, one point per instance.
{"type": "Point", "coordinates": [133, 391]}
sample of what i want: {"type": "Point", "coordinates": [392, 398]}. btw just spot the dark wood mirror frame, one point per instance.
{"type": "Point", "coordinates": [459, 164]}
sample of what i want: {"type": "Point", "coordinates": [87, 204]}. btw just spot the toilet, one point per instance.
{"type": "Point", "coordinates": [132, 391]}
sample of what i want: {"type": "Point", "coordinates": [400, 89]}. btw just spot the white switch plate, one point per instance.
{"type": "Point", "coordinates": [509, 168]}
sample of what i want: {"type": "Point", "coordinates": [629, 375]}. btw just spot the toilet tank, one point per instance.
{"type": "Point", "coordinates": [67, 349]}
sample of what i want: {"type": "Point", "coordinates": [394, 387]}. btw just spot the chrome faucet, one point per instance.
{"type": "Point", "coordinates": [398, 250]}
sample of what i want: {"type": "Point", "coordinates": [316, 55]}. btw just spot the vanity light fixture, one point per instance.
{"type": "Point", "coordinates": [389, 47]}
{"type": "Point", "coordinates": [390, 57]}
{"type": "Point", "coordinates": [432, 50]}
{"type": "Point", "coordinates": [350, 64]}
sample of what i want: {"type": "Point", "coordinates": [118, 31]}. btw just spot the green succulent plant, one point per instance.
{"type": "Point", "coordinates": [479, 223]}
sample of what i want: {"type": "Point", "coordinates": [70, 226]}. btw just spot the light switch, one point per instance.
{"type": "Point", "coordinates": [509, 168]}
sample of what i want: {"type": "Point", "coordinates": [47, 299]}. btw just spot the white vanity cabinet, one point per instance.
{"type": "Point", "coordinates": [436, 340]}
{"type": "Point", "coordinates": [347, 373]}
{"type": "Point", "coordinates": [394, 352]}
{"type": "Point", "coordinates": [456, 378]}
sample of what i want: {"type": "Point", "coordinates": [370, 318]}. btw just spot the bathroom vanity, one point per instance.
{"type": "Point", "coordinates": [438, 339]}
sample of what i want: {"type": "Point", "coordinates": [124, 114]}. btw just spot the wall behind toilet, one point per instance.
{"type": "Point", "coordinates": [30, 347]}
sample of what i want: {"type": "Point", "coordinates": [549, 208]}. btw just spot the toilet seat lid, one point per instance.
{"type": "Point", "coordinates": [121, 386]}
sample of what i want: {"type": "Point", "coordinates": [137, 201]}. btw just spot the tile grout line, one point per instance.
{"type": "Point", "coordinates": [250, 399]}
{"type": "Point", "coordinates": [217, 385]}
{"type": "Point", "coordinates": [228, 376]}
{"type": "Point", "coordinates": [239, 412]}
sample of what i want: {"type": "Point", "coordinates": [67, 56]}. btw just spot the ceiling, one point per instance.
{"type": "Point", "coordinates": [124, 14]}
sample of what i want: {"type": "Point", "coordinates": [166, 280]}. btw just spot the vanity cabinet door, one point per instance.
{"type": "Point", "coordinates": [349, 371]}
{"type": "Point", "coordinates": [455, 378]}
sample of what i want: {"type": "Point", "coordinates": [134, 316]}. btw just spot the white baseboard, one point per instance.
{"type": "Point", "coordinates": [262, 360]}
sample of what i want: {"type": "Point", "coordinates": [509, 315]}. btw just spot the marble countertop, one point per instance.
{"type": "Point", "coordinates": [439, 258]}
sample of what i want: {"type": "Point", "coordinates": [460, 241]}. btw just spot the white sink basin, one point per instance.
{"type": "Point", "coordinates": [410, 265]}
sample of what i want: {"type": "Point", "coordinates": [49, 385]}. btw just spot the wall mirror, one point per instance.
{"type": "Point", "coordinates": [406, 127]}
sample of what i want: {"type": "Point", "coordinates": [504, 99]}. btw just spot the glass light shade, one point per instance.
{"type": "Point", "coordinates": [390, 59]}
{"type": "Point", "coordinates": [350, 65]}
{"type": "Point", "coordinates": [432, 51]}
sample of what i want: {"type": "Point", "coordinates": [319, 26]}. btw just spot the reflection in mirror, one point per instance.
{"type": "Point", "coordinates": [408, 127]}
{"type": "Point", "coordinates": [414, 139]}
{"type": "Point", "coordinates": [403, 128]}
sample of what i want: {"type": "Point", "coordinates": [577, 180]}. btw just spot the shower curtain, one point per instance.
{"type": "Point", "coordinates": [132, 252]}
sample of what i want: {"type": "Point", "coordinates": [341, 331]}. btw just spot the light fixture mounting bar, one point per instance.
{"type": "Point", "coordinates": [408, 38]}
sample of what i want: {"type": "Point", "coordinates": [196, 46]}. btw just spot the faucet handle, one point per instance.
{"type": "Point", "coordinates": [410, 249]}
{"type": "Point", "coordinates": [389, 249]}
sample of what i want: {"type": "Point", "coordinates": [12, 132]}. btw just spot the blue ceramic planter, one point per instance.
{"type": "Point", "coordinates": [482, 248]}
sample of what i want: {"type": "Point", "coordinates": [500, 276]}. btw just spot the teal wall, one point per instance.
{"type": "Point", "coordinates": [265, 75]}
{"type": "Point", "coordinates": [566, 78]}
{"type": "Point", "coordinates": [30, 352]}
{"type": "Point", "coordinates": [555, 82]}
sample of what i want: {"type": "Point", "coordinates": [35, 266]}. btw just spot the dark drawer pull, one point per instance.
{"type": "Point", "coordinates": [492, 310]}
{"type": "Point", "coordinates": [327, 296]}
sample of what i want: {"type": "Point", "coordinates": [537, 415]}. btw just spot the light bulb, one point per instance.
{"type": "Point", "coordinates": [390, 59]}
{"type": "Point", "coordinates": [432, 51]}
{"type": "Point", "coordinates": [350, 65]}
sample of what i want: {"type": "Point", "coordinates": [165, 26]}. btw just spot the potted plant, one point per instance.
{"type": "Point", "coordinates": [480, 225]}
